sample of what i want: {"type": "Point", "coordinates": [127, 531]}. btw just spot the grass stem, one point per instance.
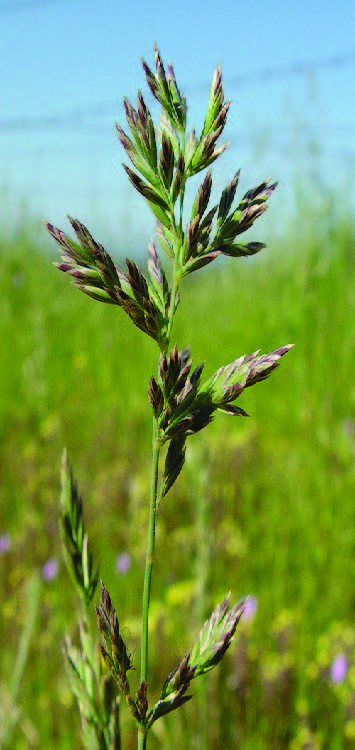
{"type": "Point", "coordinates": [142, 740]}
{"type": "Point", "coordinates": [150, 554]}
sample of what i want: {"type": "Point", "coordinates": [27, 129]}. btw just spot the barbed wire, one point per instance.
{"type": "Point", "coordinates": [289, 142]}
{"type": "Point", "coordinates": [296, 68]}
{"type": "Point", "coordinates": [274, 135]}
{"type": "Point", "coordinates": [75, 117]}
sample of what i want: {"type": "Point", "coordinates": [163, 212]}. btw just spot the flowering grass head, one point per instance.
{"type": "Point", "coordinates": [163, 157]}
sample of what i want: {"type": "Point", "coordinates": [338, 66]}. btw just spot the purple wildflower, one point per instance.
{"type": "Point", "coordinates": [339, 668]}
{"type": "Point", "coordinates": [50, 569]}
{"type": "Point", "coordinates": [251, 606]}
{"type": "Point", "coordinates": [123, 563]}
{"type": "Point", "coordinates": [5, 544]}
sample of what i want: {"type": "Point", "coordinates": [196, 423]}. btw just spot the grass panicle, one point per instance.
{"type": "Point", "coordinates": [164, 157]}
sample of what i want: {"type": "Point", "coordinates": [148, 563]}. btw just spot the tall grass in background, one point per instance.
{"type": "Point", "coordinates": [279, 491]}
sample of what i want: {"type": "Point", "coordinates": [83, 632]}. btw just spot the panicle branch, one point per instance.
{"type": "Point", "coordinates": [212, 643]}
{"type": "Point", "coordinates": [77, 553]}
{"type": "Point", "coordinates": [115, 652]}
{"type": "Point", "coordinates": [183, 404]}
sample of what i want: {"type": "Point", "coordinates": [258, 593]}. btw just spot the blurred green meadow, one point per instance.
{"type": "Point", "coordinates": [265, 506]}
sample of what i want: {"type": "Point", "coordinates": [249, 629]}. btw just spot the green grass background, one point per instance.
{"type": "Point", "coordinates": [276, 490]}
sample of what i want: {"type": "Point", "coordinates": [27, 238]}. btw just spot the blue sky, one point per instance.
{"type": "Point", "coordinates": [288, 67]}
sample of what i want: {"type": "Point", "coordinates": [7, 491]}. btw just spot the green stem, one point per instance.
{"type": "Point", "coordinates": [153, 505]}
{"type": "Point", "coordinates": [203, 526]}
{"type": "Point", "coordinates": [174, 293]}
{"type": "Point", "coordinates": [150, 553]}
{"type": "Point", "coordinates": [142, 740]}
{"type": "Point", "coordinates": [178, 231]}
